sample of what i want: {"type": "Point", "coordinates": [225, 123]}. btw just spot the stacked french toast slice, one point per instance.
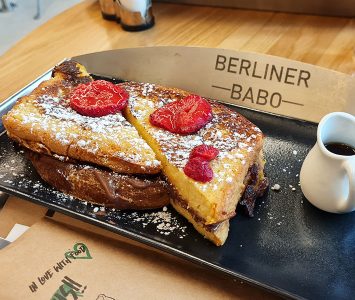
{"type": "Point", "coordinates": [97, 159]}
{"type": "Point", "coordinates": [164, 163]}
{"type": "Point", "coordinates": [207, 205]}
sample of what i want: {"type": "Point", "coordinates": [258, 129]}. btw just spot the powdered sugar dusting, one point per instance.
{"type": "Point", "coordinates": [229, 132]}
{"type": "Point", "coordinates": [55, 119]}
{"type": "Point", "coordinates": [164, 222]}
{"type": "Point", "coordinates": [16, 172]}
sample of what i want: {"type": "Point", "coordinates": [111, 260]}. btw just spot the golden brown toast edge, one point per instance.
{"type": "Point", "coordinates": [217, 234]}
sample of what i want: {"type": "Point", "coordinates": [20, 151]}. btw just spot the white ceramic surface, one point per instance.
{"type": "Point", "coordinates": [328, 179]}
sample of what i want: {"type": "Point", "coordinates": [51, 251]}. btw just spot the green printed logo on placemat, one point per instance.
{"type": "Point", "coordinates": [80, 251]}
{"type": "Point", "coordinates": [69, 288]}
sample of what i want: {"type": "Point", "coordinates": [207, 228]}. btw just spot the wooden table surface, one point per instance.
{"type": "Point", "coordinates": [324, 41]}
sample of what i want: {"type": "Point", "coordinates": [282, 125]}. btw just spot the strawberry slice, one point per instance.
{"type": "Point", "coordinates": [204, 151]}
{"type": "Point", "coordinates": [185, 116]}
{"type": "Point", "coordinates": [195, 113]}
{"type": "Point", "coordinates": [198, 166]}
{"type": "Point", "coordinates": [165, 117]}
{"type": "Point", "coordinates": [98, 98]}
{"type": "Point", "coordinates": [198, 169]}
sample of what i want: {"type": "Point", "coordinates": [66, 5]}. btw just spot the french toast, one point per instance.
{"type": "Point", "coordinates": [116, 159]}
{"type": "Point", "coordinates": [208, 206]}
{"type": "Point", "coordinates": [44, 122]}
{"type": "Point", "coordinates": [99, 186]}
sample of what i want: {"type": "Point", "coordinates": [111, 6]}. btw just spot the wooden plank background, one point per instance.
{"type": "Point", "coordinates": [323, 41]}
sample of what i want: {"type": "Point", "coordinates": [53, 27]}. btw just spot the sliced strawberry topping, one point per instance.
{"type": "Point", "coordinates": [165, 117]}
{"type": "Point", "coordinates": [98, 98]}
{"type": "Point", "coordinates": [204, 151]}
{"type": "Point", "coordinates": [185, 116]}
{"type": "Point", "coordinates": [195, 113]}
{"type": "Point", "coordinates": [198, 166]}
{"type": "Point", "coordinates": [198, 169]}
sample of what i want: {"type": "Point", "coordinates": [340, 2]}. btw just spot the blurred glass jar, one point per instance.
{"type": "Point", "coordinates": [108, 10]}
{"type": "Point", "coordinates": [117, 11]}
{"type": "Point", "coordinates": [136, 15]}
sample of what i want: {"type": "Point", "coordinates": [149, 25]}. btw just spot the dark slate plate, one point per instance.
{"type": "Point", "coordinates": [289, 247]}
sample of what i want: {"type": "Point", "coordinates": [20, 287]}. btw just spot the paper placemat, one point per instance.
{"type": "Point", "coordinates": [56, 261]}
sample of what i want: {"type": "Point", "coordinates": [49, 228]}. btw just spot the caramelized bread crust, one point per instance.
{"type": "Point", "coordinates": [44, 122]}
{"type": "Point", "coordinates": [216, 233]}
{"type": "Point", "coordinates": [102, 187]}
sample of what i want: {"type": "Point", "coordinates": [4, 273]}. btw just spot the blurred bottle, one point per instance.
{"type": "Point", "coordinates": [136, 15]}
{"type": "Point", "coordinates": [108, 9]}
{"type": "Point", "coordinates": [117, 11]}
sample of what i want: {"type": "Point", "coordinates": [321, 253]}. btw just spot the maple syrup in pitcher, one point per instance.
{"type": "Point", "coordinates": [340, 149]}
{"type": "Point", "coordinates": [327, 175]}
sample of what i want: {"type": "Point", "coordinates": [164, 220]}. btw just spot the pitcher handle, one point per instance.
{"type": "Point", "coordinates": [350, 170]}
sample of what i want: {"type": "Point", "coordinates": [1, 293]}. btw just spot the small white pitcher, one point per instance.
{"type": "Point", "coordinates": [328, 179]}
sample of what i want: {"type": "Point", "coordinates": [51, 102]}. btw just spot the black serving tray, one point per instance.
{"type": "Point", "coordinates": [289, 247]}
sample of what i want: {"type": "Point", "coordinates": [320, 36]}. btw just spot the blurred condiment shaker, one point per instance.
{"type": "Point", "coordinates": [136, 15]}
{"type": "Point", "coordinates": [108, 9]}
{"type": "Point", "coordinates": [117, 11]}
